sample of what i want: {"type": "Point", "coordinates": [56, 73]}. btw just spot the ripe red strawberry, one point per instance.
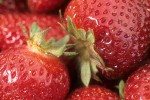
{"type": "Point", "coordinates": [13, 6]}
{"type": "Point", "coordinates": [146, 3]}
{"type": "Point", "coordinates": [93, 92]}
{"type": "Point", "coordinates": [11, 33]}
{"type": "Point", "coordinates": [121, 31]}
{"type": "Point", "coordinates": [34, 72]}
{"type": "Point", "coordinates": [138, 85]}
{"type": "Point", "coordinates": [43, 6]}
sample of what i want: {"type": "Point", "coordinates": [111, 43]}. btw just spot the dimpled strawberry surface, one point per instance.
{"type": "Point", "coordinates": [121, 29]}
{"type": "Point", "coordinates": [74, 49]}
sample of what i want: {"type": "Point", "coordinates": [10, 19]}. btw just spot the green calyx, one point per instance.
{"type": "Point", "coordinates": [36, 38]}
{"type": "Point", "coordinates": [121, 87]}
{"type": "Point", "coordinates": [89, 60]}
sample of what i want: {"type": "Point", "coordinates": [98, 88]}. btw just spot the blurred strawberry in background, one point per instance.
{"type": "Point", "coordinates": [13, 6]}
{"type": "Point", "coordinates": [11, 33]}
{"type": "Point", "coordinates": [44, 6]}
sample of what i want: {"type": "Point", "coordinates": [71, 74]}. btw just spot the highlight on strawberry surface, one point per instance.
{"type": "Point", "coordinates": [74, 49]}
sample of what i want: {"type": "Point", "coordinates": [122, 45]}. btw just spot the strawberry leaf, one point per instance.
{"type": "Point", "coordinates": [94, 71]}
{"type": "Point", "coordinates": [34, 29]}
{"type": "Point", "coordinates": [57, 48]}
{"type": "Point", "coordinates": [70, 53]}
{"type": "Point", "coordinates": [85, 72]}
{"type": "Point", "coordinates": [121, 88]}
{"type": "Point", "coordinates": [90, 36]}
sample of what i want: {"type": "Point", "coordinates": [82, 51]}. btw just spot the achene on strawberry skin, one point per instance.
{"type": "Point", "coordinates": [138, 84]}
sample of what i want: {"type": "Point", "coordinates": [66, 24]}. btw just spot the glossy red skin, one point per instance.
{"type": "Point", "coordinates": [13, 6]}
{"type": "Point", "coordinates": [43, 6]}
{"type": "Point", "coordinates": [30, 75]}
{"type": "Point", "coordinates": [11, 33]}
{"type": "Point", "coordinates": [121, 30]}
{"type": "Point", "coordinates": [147, 4]}
{"type": "Point", "coordinates": [93, 92]}
{"type": "Point", "coordinates": [138, 85]}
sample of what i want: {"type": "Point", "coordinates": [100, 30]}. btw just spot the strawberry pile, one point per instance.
{"type": "Point", "coordinates": [74, 50]}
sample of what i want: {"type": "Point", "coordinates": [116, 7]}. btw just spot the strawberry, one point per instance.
{"type": "Point", "coordinates": [138, 84]}
{"type": "Point", "coordinates": [121, 35]}
{"type": "Point", "coordinates": [11, 34]}
{"type": "Point", "coordinates": [34, 71]}
{"type": "Point", "coordinates": [93, 92]}
{"type": "Point", "coordinates": [13, 6]}
{"type": "Point", "coordinates": [146, 3]}
{"type": "Point", "coordinates": [44, 6]}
